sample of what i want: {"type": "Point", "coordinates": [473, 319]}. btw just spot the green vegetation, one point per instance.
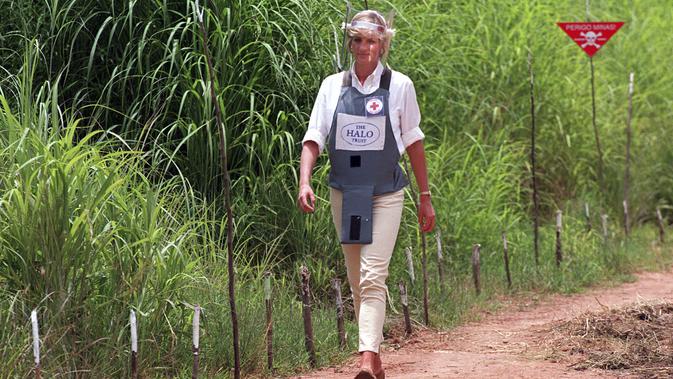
{"type": "Point", "coordinates": [108, 167]}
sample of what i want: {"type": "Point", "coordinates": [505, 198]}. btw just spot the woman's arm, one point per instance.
{"type": "Point", "coordinates": [426, 213]}
{"type": "Point", "coordinates": [306, 197]}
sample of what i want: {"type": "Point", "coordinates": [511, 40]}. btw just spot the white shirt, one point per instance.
{"type": "Point", "coordinates": [405, 117]}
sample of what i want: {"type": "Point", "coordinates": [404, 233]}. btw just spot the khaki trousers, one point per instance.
{"type": "Point", "coordinates": [367, 265]}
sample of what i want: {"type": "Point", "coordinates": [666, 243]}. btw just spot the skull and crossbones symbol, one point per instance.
{"type": "Point", "coordinates": [590, 39]}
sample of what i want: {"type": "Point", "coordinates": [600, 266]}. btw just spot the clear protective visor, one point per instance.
{"type": "Point", "coordinates": [361, 24]}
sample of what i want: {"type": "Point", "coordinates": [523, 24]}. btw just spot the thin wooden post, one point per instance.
{"type": "Point", "coordinates": [626, 218]}
{"type": "Point", "coordinates": [344, 48]}
{"type": "Point", "coordinates": [476, 268]}
{"type": "Point", "coordinates": [628, 157]}
{"type": "Point", "coordinates": [195, 341]}
{"type": "Point", "coordinates": [424, 255]}
{"type": "Point", "coordinates": [336, 284]}
{"type": "Point", "coordinates": [36, 343]}
{"type": "Point", "coordinates": [269, 320]}
{"type": "Point", "coordinates": [536, 207]}
{"type": "Point", "coordinates": [662, 231]}
{"type": "Point", "coordinates": [410, 264]}
{"type": "Point", "coordinates": [559, 225]}
{"type": "Point", "coordinates": [506, 256]}
{"type": "Point", "coordinates": [306, 312]}
{"type": "Point", "coordinates": [604, 222]}
{"type": "Point", "coordinates": [593, 117]}
{"type": "Point", "coordinates": [587, 216]}
{"type": "Point", "coordinates": [134, 346]}
{"type": "Point", "coordinates": [405, 308]}
{"type": "Point", "coordinates": [226, 190]}
{"type": "Point", "coordinates": [440, 261]}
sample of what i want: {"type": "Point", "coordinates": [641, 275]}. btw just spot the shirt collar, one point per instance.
{"type": "Point", "coordinates": [371, 83]}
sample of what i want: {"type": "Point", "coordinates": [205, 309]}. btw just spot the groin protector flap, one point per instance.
{"type": "Point", "coordinates": [356, 214]}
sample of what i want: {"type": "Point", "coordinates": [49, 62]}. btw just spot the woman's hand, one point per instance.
{"type": "Point", "coordinates": [426, 214]}
{"type": "Point", "coordinates": [306, 199]}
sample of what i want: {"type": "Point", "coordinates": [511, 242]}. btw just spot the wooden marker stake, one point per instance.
{"type": "Point", "coordinates": [476, 268]}
{"type": "Point", "coordinates": [506, 256]}
{"type": "Point", "coordinates": [628, 158]}
{"type": "Point", "coordinates": [661, 226]}
{"type": "Point", "coordinates": [336, 284]}
{"type": "Point", "coordinates": [134, 346]}
{"type": "Point", "coordinates": [36, 343]}
{"type": "Point", "coordinates": [626, 218]}
{"type": "Point", "coordinates": [559, 250]}
{"type": "Point", "coordinates": [410, 264]}
{"type": "Point", "coordinates": [536, 205]}
{"type": "Point", "coordinates": [269, 320]}
{"type": "Point", "coordinates": [405, 309]}
{"type": "Point", "coordinates": [306, 311]}
{"type": "Point", "coordinates": [195, 341]}
{"type": "Point", "coordinates": [440, 261]}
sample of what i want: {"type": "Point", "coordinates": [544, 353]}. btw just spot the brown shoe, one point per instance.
{"type": "Point", "coordinates": [370, 366]}
{"type": "Point", "coordinates": [365, 373]}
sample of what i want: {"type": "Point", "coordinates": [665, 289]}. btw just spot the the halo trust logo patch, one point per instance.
{"type": "Point", "coordinates": [360, 133]}
{"type": "Point", "coordinates": [373, 105]}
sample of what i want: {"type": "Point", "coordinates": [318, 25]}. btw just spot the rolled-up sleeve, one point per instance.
{"type": "Point", "coordinates": [410, 119]}
{"type": "Point", "coordinates": [320, 121]}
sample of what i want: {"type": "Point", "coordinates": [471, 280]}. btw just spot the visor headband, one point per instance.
{"type": "Point", "coordinates": [367, 25]}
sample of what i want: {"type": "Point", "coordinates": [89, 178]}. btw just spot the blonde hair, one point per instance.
{"type": "Point", "coordinates": [371, 19]}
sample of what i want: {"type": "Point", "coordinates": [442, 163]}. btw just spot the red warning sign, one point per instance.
{"type": "Point", "coordinates": [590, 36]}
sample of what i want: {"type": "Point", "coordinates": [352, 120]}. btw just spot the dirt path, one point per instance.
{"type": "Point", "coordinates": [509, 343]}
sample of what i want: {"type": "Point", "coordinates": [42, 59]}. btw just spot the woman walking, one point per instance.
{"type": "Point", "coordinates": [371, 117]}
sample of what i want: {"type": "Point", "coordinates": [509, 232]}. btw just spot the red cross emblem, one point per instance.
{"type": "Point", "coordinates": [374, 105]}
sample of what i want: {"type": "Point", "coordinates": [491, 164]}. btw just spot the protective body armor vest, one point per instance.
{"type": "Point", "coordinates": [364, 156]}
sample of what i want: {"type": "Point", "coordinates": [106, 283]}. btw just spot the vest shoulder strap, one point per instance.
{"type": "Point", "coordinates": [385, 79]}
{"type": "Point", "coordinates": [347, 80]}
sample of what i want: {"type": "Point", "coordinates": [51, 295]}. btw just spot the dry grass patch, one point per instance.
{"type": "Point", "coordinates": [637, 339]}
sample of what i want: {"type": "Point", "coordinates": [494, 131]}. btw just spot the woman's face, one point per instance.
{"type": "Point", "coordinates": [366, 50]}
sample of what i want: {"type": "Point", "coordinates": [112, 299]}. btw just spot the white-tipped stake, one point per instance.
{"type": "Point", "coordinates": [199, 11]}
{"type": "Point", "coordinates": [660, 222]}
{"type": "Point", "coordinates": [134, 333]}
{"type": "Point", "coordinates": [631, 84]}
{"type": "Point", "coordinates": [36, 337]}
{"type": "Point", "coordinates": [604, 221]}
{"type": "Point", "coordinates": [403, 295]}
{"type": "Point", "coordinates": [438, 237]}
{"type": "Point", "coordinates": [559, 220]}
{"type": "Point", "coordinates": [410, 264]}
{"type": "Point", "coordinates": [195, 327]}
{"type": "Point", "coordinates": [586, 210]}
{"type": "Point", "coordinates": [195, 341]}
{"type": "Point", "coordinates": [134, 345]}
{"type": "Point", "coordinates": [267, 286]}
